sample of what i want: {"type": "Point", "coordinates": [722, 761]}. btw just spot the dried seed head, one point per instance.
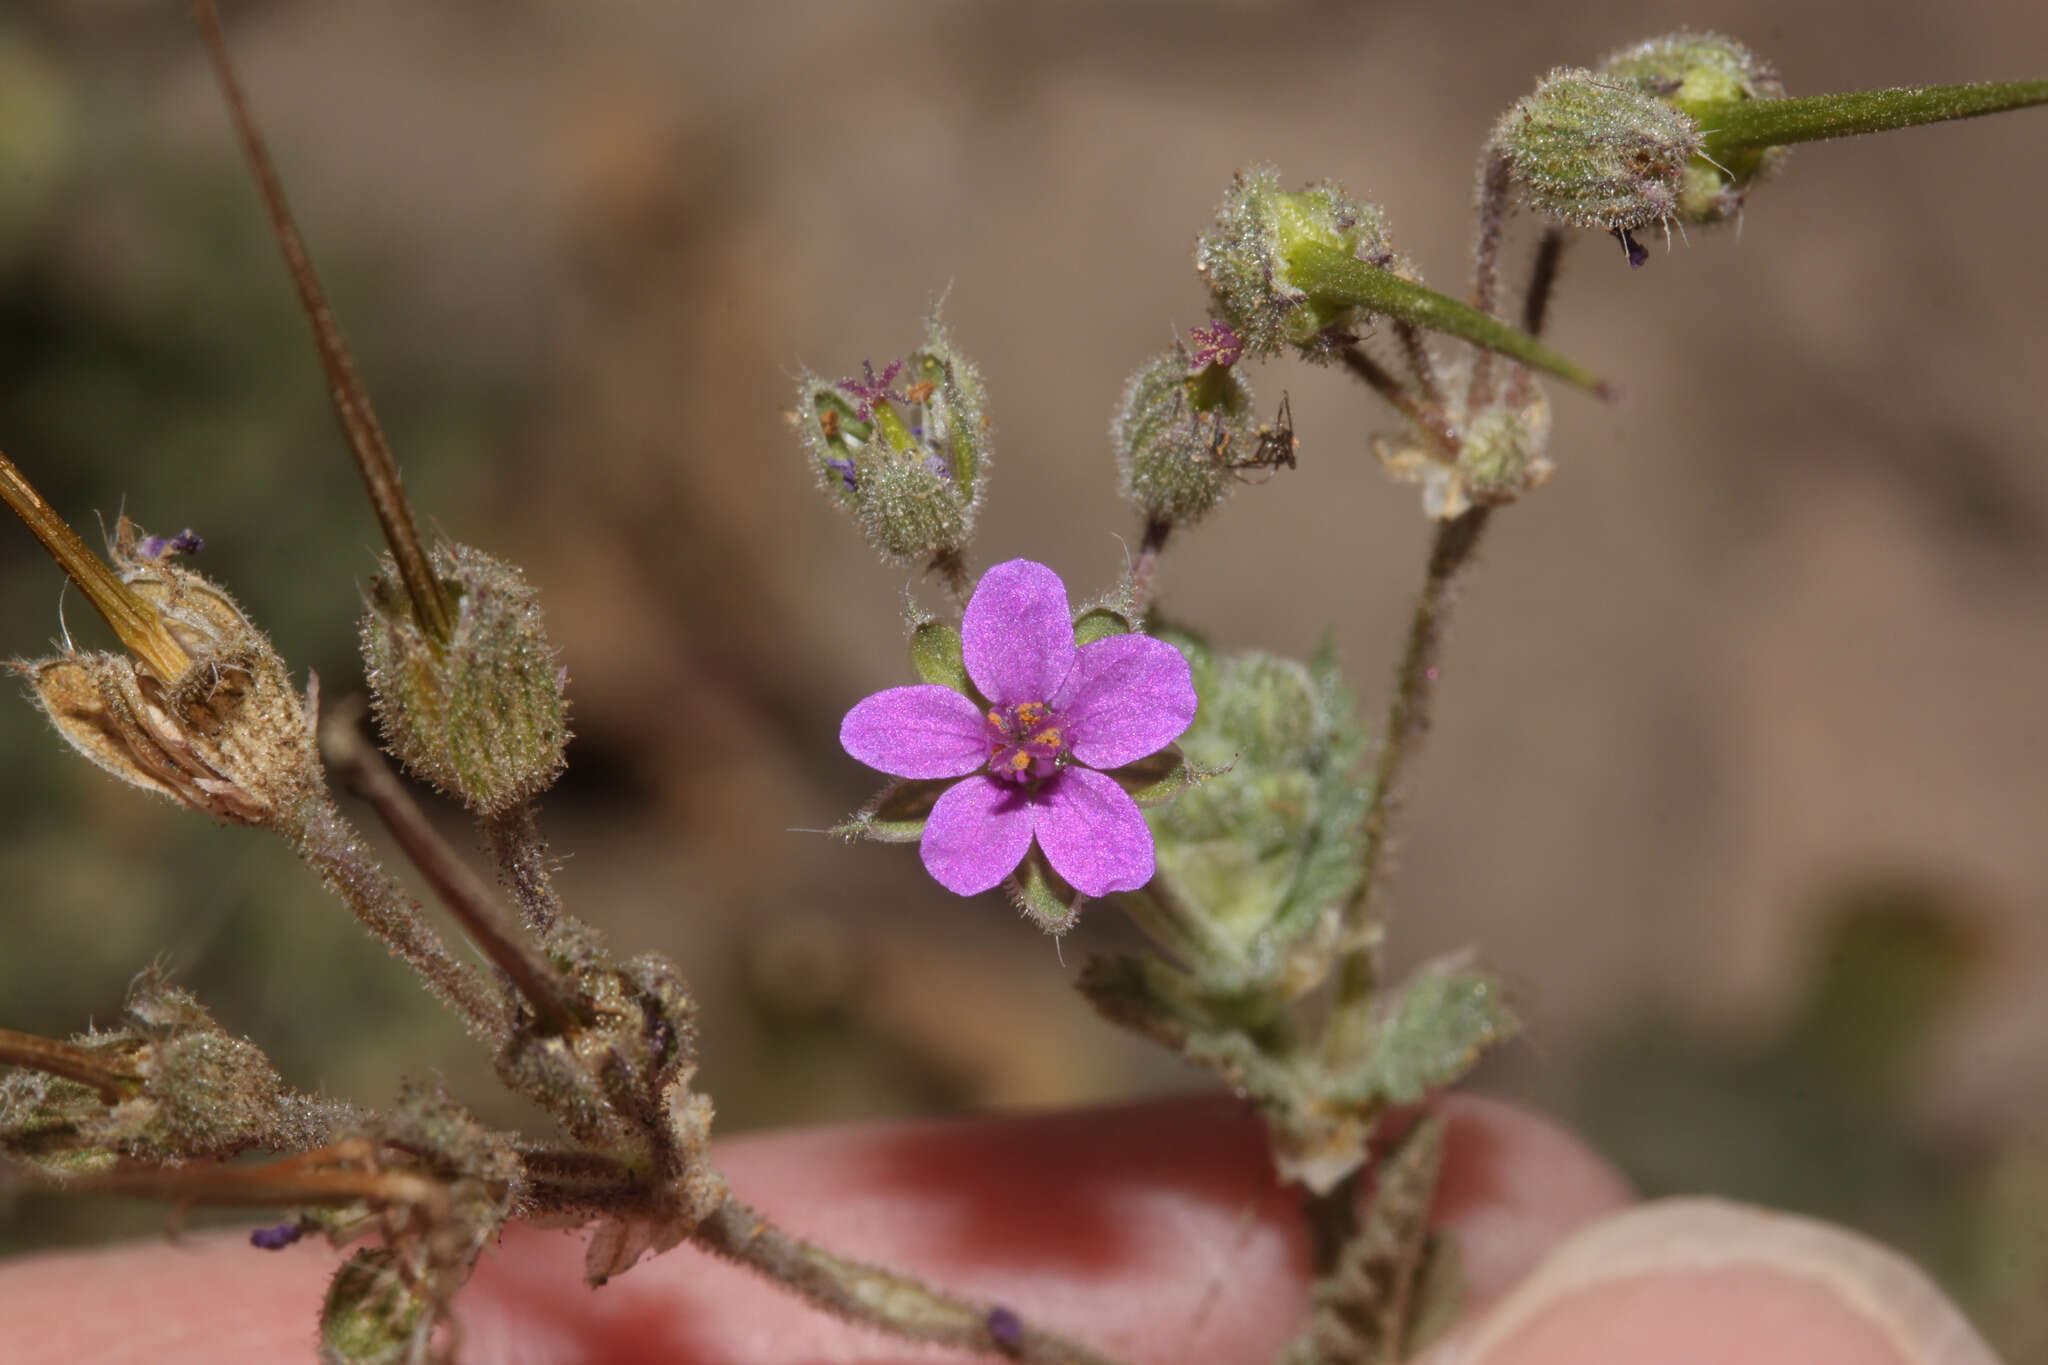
{"type": "Point", "coordinates": [1501, 455]}
{"type": "Point", "coordinates": [227, 736]}
{"type": "Point", "coordinates": [1246, 258]}
{"type": "Point", "coordinates": [482, 717]}
{"type": "Point", "coordinates": [1598, 152]}
{"type": "Point", "coordinates": [1693, 73]}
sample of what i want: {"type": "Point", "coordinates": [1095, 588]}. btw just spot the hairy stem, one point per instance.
{"type": "Point", "coordinates": [1536, 302]}
{"type": "Point", "coordinates": [321, 835]}
{"type": "Point", "coordinates": [514, 839]}
{"type": "Point", "coordinates": [880, 1298]}
{"type": "Point", "coordinates": [351, 399]}
{"type": "Point", "coordinates": [486, 922]}
{"type": "Point", "coordinates": [951, 567]}
{"type": "Point", "coordinates": [74, 1063]}
{"type": "Point", "coordinates": [1496, 182]}
{"type": "Point", "coordinates": [1429, 420]}
{"type": "Point", "coordinates": [1402, 733]}
{"type": "Point", "coordinates": [1144, 568]}
{"type": "Point", "coordinates": [1421, 364]}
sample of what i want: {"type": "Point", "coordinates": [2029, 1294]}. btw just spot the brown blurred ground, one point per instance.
{"type": "Point", "coordinates": [1779, 626]}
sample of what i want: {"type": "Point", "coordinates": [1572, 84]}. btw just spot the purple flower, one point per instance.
{"type": "Point", "coordinates": [1216, 344]}
{"type": "Point", "coordinates": [1028, 766]}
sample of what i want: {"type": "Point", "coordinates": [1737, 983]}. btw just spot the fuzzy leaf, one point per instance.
{"type": "Point", "coordinates": [1433, 1032]}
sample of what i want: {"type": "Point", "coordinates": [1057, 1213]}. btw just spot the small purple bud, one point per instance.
{"type": "Point", "coordinates": [275, 1238]}
{"type": "Point", "coordinates": [186, 542]}
{"type": "Point", "coordinates": [844, 469]}
{"type": "Point", "coordinates": [1216, 344]}
{"type": "Point", "coordinates": [1636, 252]}
{"type": "Point", "coordinates": [1006, 1329]}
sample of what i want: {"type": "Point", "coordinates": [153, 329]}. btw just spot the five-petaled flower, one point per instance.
{"type": "Point", "coordinates": [1028, 765]}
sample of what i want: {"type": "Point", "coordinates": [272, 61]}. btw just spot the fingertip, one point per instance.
{"type": "Point", "coordinates": [1699, 1282]}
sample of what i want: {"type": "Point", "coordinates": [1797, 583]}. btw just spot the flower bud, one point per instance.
{"type": "Point", "coordinates": [905, 451]}
{"type": "Point", "coordinates": [1248, 259]}
{"type": "Point", "coordinates": [226, 735]}
{"type": "Point", "coordinates": [481, 717]}
{"type": "Point", "coordinates": [1180, 433]}
{"type": "Point", "coordinates": [1694, 73]}
{"type": "Point", "coordinates": [1598, 153]}
{"type": "Point", "coordinates": [1500, 457]}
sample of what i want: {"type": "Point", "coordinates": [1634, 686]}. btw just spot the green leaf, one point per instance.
{"type": "Point", "coordinates": [1739, 125]}
{"type": "Point", "coordinates": [1433, 1032]}
{"type": "Point", "coordinates": [1327, 273]}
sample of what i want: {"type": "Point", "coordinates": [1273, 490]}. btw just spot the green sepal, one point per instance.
{"type": "Point", "coordinates": [1162, 776]}
{"type": "Point", "coordinates": [1044, 899]}
{"type": "Point", "coordinates": [935, 654]}
{"type": "Point", "coordinates": [1738, 125]}
{"type": "Point", "coordinates": [1334, 276]}
{"type": "Point", "coordinates": [897, 813]}
{"type": "Point", "coordinates": [1099, 623]}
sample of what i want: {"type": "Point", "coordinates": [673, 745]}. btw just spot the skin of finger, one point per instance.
{"type": "Point", "coordinates": [1154, 1232]}
{"type": "Point", "coordinates": [1758, 1317]}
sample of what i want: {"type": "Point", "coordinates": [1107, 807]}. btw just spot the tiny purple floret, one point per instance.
{"type": "Point", "coordinates": [871, 390]}
{"type": "Point", "coordinates": [1216, 344]}
{"type": "Point", "coordinates": [275, 1238]}
{"type": "Point", "coordinates": [1030, 765]}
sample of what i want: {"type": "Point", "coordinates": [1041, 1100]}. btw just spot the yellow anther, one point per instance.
{"type": "Point", "coordinates": [1031, 712]}
{"type": "Point", "coordinates": [1020, 760]}
{"type": "Point", "coordinates": [1049, 738]}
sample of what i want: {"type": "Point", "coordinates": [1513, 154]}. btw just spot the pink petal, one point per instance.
{"type": "Point", "coordinates": [1128, 696]}
{"type": "Point", "coordinates": [977, 833]}
{"type": "Point", "coordinates": [1092, 832]}
{"type": "Point", "coordinates": [1017, 636]}
{"type": "Point", "coordinates": [923, 731]}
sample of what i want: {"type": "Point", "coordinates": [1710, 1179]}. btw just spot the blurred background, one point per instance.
{"type": "Point", "coordinates": [1741, 767]}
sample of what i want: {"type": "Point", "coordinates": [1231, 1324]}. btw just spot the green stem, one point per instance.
{"type": "Point", "coordinates": [1742, 125]}
{"type": "Point", "coordinates": [1326, 272]}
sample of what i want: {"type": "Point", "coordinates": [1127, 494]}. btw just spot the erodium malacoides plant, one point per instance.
{"type": "Point", "coordinates": [1069, 751]}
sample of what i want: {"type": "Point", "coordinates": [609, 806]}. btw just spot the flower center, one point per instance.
{"type": "Point", "coordinates": [1024, 741]}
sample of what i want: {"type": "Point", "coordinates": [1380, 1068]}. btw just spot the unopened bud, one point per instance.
{"type": "Point", "coordinates": [1598, 153]}
{"type": "Point", "coordinates": [481, 717]}
{"type": "Point", "coordinates": [225, 735]}
{"type": "Point", "coordinates": [904, 451]}
{"type": "Point", "coordinates": [1251, 257]}
{"type": "Point", "coordinates": [1695, 73]}
{"type": "Point", "coordinates": [1181, 433]}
